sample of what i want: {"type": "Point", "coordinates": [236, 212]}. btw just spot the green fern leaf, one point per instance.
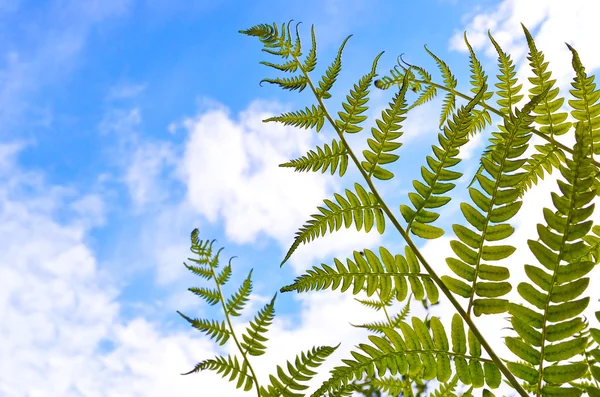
{"type": "Point", "coordinates": [224, 275]}
{"type": "Point", "coordinates": [384, 143]}
{"type": "Point", "coordinates": [301, 371]}
{"type": "Point", "coordinates": [392, 386]}
{"type": "Point", "coordinates": [507, 90]}
{"type": "Point", "coordinates": [289, 66]}
{"type": "Point", "coordinates": [428, 92]}
{"type": "Point", "coordinates": [376, 304]}
{"type": "Point", "coordinates": [211, 296]}
{"type": "Point", "coordinates": [331, 74]}
{"type": "Point", "coordinates": [450, 83]}
{"type": "Point", "coordinates": [407, 354]}
{"type": "Point", "coordinates": [322, 159]}
{"type": "Point", "coordinates": [227, 366]}
{"type": "Point", "coordinates": [481, 119]}
{"type": "Point", "coordinates": [271, 38]}
{"type": "Point", "coordinates": [429, 194]}
{"type": "Point", "coordinates": [497, 205]}
{"type": "Point", "coordinates": [371, 275]}
{"type": "Point", "coordinates": [556, 302]}
{"type": "Point", "coordinates": [291, 83]}
{"type": "Point", "coordinates": [386, 82]}
{"type": "Point", "coordinates": [378, 327]}
{"type": "Point", "coordinates": [551, 121]}
{"type": "Point", "coordinates": [586, 106]}
{"type": "Point", "coordinates": [216, 330]}
{"type": "Point", "coordinates": [446, 389]}
{"type": "Point", "coordinates": [307, 118]}
{"type": "Point", "coordinates": [238, 300]}
{"type": "Point", "coordinates": [311, 60]}
{"type": "Point", "coordinates": [200, 271]}
{"type": "Point", "coordinates": [547, 158]}
{"type": "Point", "coordinates": [253, 337]}
{"type": "Point", "coordinates": [355, 104]}
{"type": "Point", "coordinates": [478, 77]}
{"type": "Point", "coordinates": [201, 248]}
{"type": "Point", "coordinates": [367, 209]}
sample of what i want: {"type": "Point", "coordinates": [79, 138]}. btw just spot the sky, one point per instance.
{"type": "Point", "coordinates": [126, 124]}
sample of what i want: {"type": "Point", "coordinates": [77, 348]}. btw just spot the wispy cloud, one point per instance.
{"type": "Point", "coordinates": [125, 91]}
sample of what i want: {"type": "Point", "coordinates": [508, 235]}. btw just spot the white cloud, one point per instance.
{"type": "Point", "coordinates": [552, 23]}
{"type": "Point", "coordinates": [125, 91]}
{"type": "Point", "coordinates": [231, 171]}
{"type": "Point", "coordinates": [148, 162]}
{"type": "Point", "coordinates": [120, 122]}
{"type": "Point", "coordinates": [91, 209]}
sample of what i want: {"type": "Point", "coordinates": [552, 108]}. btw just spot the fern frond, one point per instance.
{"type": "Point", "coordinates": [415, 353]}
{"type": "Point", "coordinates": [311, 60]}
{"type": "Point", "coordinates": [547, 158]}
{"type": "Point", "coordinates": [200, 247]}
{"type": "Point", "coordinates": [389, 278]}
{"type": "Point", "coordinates": [226, 366]}
{"type": "Point", "coordinates": [497, 205]}
{"type": "Point", "coordinates": [430, 194]}
{"type": "Point", "coordinates": [552, 122]}
{"type": "Point", "coordinates": [392, 386]}
{"type": "Point", "coordinates": [200, 271]}
{"type": "Point", "coordinates": [590, 381]}
{"type": "Point", "coordinates": [426, 93]}
{"type": "Point", "coordinates": [507, 90]}
{"type": "Point", "coordinates": [557, 306]}
{"type": "Point", "coordinates": [376, 304]}
{"type": "Point", "coordinates": [224, 275]}
{"type": "Point", "coordinates": [216, 330]}
{"type": "Point", "coordinates": [307, 118]}
{"type": "Point", "coordinates": [384, 143]}
{"type": "Point", "coordinates": [366, 208]}
{"type": "Point", "coordinates": [594, 243]}
{"type": "Point", "coordinates": [394, 322]}
{"type": "Point", "coordinates": [271, 38]}
{"type": "Point", "coordinates": [300, 371]}
{"type": "Point", "coordinates": [355, 105]}
{"type": "Point", "coordinates": [446, 389]}
{"type": "Point", "coordinates": [331, 74]}
{"type": "Point", "coordinates": [386, 82]}
{"type": "Point", "coordinates": [238, 300]}
{"type": "Point", "coordinates": [205, 254]}
{"type": "Point", "coordinates": [481, 119]}
{"type": "Point", "coordinates": [450, 83]}
{"type": "Point", "coordinates": [586, 106]}
{"type": "Point", "coordinates": [211, 296]}
{"type": "Point", "coordinates": [290, 83]}
{"type": "Point", "coordinates": [323, 159]}
{"type": "Point", "coordinates": [289, 66]}
{"type": "Point", "coordinates": [478, 77]}
{"type": "Point", "coordinates": [253, 337]}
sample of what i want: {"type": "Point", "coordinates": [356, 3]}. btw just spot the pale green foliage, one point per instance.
{"type": "Point", "coordinates": [557, 349]}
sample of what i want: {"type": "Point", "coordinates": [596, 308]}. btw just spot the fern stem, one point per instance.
{"type": "Point", "coordinates": [511, 378]}
{"type": "Point", "coordinates": [235, 339]}
{"type": "Point", "coordinates": [499, 113]}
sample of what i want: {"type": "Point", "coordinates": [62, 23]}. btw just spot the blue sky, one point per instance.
{"type": "Point", "coordinates": [126, 124]}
